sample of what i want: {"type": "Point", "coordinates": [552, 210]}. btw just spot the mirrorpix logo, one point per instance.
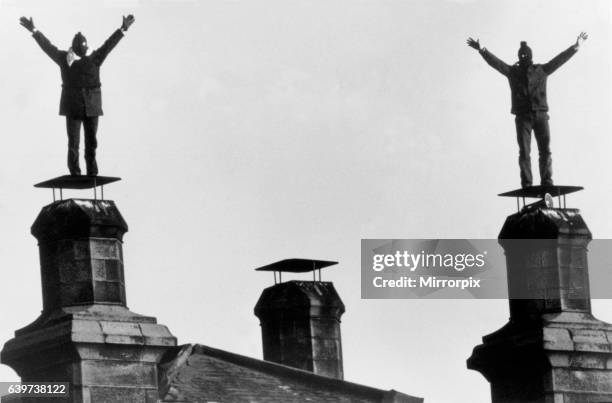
{"type": "Point", "coordinates": [423, 267]}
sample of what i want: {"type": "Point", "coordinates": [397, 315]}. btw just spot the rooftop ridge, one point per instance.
{"type": "Point", "coordinates": [301, 375]}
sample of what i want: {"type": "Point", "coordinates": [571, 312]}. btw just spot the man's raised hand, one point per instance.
{"type": "Point", "coordinates": [27, 23]}
{"type": "Point", "coordinates": [127, 21]}
{"type": "Point", "coordinates": [581, 38]}
{"type": "Point", "coordinates": [473, 43]}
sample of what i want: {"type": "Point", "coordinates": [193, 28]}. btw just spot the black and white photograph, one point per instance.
{"type": "Point", "coordinates": [251, 201]}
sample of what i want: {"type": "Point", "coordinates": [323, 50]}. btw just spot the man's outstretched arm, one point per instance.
{"type": "Point", "coordinates": [564, 56]}
{"type": "Point", "coordinates": [489, 57]}
{"type": "Point", "coordinates": [43, 42]}
{"type": "Point", "coordinates": [100, 54]}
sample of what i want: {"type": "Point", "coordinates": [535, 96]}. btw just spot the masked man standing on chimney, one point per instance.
{"type": "Point", "coordinates": [528, 89]}
{"type": "Point", "coordinates": [81, 100]}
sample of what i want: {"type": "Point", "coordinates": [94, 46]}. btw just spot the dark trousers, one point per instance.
{"type": "Point", "coordinates": [538, 122]}
{"type": "Point", "coordinates": [73, 127]}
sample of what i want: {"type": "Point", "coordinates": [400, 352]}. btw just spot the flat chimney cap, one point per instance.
{"type": "Point", "coordinates": [540, 191]}
{"type": "Point", "coordinates": [297, 265]}
{"type": "Point", "coordinates": [77, 182]}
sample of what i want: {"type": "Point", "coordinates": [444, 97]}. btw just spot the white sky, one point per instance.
{"type": "Point", "coordinates": [252, 131]}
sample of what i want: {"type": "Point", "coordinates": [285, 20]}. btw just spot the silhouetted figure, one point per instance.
{"type": "Point", "coordinates": [81, 100]}
{"type": "Point", "coordinates": [529, 104]}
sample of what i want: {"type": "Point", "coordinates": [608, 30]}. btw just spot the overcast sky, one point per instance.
{"type": "Point", "coordinates": [251, 131]}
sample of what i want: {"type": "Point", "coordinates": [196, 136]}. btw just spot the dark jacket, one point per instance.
{"type": "Point", "coordinates": [528, 85]}
{"type": "Point", "coordinates": [81, 92]}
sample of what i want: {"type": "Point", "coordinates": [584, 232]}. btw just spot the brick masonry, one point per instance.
{"type": "Point", "coordinates": [300, 326]}
{"type": "Point", "coordinates": [552, 350]}
{"type": "Point", "coordinates": [85, 334]}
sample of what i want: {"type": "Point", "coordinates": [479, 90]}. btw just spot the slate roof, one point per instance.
{"type": "Point", "coordinates": [197, 373]}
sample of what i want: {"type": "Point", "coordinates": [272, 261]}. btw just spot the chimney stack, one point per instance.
{"type": "Point", "coordinates": [85, 335]}
{"type": "Point", "coordinates": [81, 254]}
{"type": "Point", "coordinates": [552, 349]}
{"type": "Point", "coordinates": [300, 320]}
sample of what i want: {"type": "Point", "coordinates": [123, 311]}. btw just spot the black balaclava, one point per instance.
{"type": "Point", "coordinates": [525, 55]}
{"type": "Point", "coordinates": [79, 45]}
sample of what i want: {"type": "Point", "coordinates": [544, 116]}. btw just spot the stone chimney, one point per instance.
{"type": "Point", "coordinates": [552, 349]}
{"type": "Point", "coordinates": [85, 334]}
{"type": "Point", "coordinates": [300, 320]}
